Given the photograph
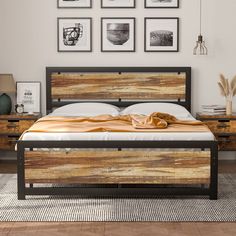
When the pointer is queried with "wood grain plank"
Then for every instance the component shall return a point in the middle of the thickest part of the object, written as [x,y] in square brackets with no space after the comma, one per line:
[118,228]
[15,127]
[219,127]
[146,86]
[203,116]
[8,143]
[24,116]
[224,130]
[119,167]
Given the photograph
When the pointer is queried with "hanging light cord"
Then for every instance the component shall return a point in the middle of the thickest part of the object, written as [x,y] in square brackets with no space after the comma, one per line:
[200,48]
[200,17]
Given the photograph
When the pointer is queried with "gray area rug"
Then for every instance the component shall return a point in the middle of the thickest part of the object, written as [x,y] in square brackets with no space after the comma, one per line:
[37,208]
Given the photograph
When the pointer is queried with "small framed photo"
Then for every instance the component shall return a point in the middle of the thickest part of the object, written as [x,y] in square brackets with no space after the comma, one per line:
[74,3]
[118,3]
[118,34]
[161,3]
[161,34]
[28,94]
[74,34]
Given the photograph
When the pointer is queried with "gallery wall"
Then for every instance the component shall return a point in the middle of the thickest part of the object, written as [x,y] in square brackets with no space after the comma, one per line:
[28,42]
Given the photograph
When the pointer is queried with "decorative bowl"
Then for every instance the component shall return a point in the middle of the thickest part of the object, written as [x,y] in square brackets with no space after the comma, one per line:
[118,33]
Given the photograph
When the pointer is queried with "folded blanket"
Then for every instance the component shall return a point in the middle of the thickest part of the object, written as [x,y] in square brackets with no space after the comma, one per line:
[158,120]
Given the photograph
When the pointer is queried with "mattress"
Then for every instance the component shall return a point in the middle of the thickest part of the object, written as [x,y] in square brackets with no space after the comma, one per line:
[127,136]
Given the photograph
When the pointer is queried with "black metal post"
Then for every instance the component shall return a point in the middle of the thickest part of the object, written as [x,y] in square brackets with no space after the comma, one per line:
[20,171]
[214,172]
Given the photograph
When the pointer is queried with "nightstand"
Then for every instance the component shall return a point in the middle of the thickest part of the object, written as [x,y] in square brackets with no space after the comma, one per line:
[12,126]
[224,129]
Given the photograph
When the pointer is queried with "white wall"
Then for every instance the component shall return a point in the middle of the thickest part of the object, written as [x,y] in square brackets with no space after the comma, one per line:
[28,42]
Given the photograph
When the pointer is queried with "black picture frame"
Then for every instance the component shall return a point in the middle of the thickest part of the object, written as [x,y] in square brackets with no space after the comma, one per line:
[176,6]
[161,48]
[119,7]
[89,45]
[118,48]
[28,85]
[69,7]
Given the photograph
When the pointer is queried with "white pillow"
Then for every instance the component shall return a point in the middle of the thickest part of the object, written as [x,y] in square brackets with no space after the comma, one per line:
[148,108]
[86,109]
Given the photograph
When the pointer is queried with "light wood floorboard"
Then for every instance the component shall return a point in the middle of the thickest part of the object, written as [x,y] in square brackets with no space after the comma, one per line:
[117,229]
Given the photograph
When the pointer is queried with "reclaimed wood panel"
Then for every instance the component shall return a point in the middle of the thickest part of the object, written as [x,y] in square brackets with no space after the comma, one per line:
[203,116]
[15,127]
[145,86]
[223,127]
[24,116]
[226,143]
[118,167]
[219,127]
[7,143]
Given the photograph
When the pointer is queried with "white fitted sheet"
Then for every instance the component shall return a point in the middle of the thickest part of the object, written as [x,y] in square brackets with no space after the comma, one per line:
[124,136]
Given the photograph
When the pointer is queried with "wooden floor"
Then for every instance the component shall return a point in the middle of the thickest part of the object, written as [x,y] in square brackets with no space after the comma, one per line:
[118,229]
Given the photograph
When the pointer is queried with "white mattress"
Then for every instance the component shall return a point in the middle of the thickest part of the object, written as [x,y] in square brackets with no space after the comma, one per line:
[152,136]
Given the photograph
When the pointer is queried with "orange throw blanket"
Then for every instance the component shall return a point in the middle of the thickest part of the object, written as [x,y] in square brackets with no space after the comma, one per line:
[156,122]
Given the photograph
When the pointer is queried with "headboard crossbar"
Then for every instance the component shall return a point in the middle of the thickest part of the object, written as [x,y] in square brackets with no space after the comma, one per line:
[118,86]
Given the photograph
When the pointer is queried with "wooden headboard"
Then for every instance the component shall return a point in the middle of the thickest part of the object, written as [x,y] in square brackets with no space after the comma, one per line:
[121,86]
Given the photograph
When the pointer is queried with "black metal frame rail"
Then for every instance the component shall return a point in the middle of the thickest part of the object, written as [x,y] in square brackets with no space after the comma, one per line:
[120,190]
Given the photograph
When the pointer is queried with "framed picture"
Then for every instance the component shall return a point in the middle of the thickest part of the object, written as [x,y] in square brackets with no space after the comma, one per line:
[161,34]
[118,3]
[74,34]
[28,94]
[74,3]
[161,3]
[118,34]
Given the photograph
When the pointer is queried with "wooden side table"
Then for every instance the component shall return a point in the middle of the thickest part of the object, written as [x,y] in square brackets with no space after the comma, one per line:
[224,129]
[12,126]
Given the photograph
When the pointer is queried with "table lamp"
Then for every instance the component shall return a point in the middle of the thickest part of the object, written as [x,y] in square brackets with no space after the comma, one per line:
[7,85]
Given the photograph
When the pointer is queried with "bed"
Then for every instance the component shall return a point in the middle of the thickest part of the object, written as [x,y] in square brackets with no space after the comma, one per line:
[118,164]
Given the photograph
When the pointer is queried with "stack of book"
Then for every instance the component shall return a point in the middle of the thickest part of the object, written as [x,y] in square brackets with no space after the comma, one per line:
[213,109]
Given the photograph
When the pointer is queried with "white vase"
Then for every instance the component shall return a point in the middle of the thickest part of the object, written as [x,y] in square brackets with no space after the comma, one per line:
[228,107]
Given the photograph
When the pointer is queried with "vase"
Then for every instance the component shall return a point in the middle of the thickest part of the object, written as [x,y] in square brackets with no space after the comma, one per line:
[228,107]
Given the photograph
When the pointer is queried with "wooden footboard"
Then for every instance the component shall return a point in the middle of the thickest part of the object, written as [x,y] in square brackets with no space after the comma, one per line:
[120,163]
[118,167]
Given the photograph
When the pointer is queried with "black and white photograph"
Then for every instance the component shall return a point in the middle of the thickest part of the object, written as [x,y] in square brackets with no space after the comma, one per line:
[74,34]
[161,34]
[74,3]
[161,3]
[118,34]
[28,94]
[118,3]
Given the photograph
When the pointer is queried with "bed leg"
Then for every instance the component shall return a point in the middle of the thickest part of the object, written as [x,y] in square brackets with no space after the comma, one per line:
[213,196]
[20,171]
[214,173]
[21,196]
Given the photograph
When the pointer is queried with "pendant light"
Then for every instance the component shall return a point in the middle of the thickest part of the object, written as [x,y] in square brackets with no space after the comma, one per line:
[200,48]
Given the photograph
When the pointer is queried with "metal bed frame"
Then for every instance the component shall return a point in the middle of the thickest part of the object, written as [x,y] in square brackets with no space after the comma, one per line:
[118,190]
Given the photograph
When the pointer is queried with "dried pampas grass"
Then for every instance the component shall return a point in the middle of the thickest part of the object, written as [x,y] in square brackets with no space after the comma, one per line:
[227,88]
[233,85]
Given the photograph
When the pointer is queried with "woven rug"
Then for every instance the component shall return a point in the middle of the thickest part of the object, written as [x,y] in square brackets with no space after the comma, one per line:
[49,208]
